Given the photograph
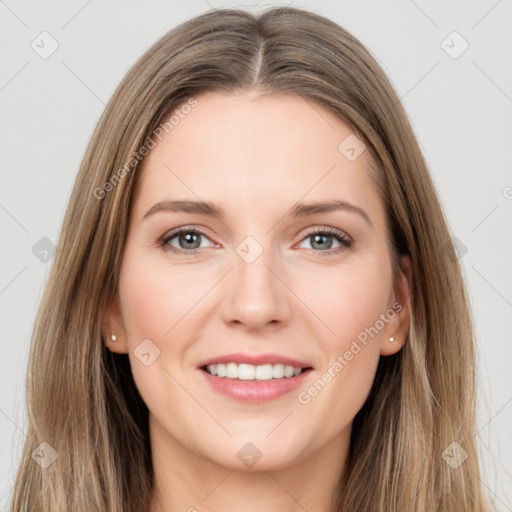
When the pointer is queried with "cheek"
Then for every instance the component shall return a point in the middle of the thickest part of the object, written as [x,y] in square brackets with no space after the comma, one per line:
[348,300]
[350,308]
[156,298]
[155,303]
[152,304]
[352,301]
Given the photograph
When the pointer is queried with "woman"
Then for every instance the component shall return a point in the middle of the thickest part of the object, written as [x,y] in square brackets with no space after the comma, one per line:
[249,371]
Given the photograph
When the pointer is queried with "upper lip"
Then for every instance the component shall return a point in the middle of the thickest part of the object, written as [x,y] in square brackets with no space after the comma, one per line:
[255,359]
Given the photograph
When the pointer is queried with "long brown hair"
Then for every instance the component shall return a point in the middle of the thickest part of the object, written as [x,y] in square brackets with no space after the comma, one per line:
[82,400]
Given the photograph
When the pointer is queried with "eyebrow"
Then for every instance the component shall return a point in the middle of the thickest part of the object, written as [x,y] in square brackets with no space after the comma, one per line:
[298,210]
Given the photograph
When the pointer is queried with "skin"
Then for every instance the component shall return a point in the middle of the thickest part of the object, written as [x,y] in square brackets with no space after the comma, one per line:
[255,157]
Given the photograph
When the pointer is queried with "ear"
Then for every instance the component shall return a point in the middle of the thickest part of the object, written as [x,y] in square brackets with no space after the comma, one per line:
[397,327]
[113,324]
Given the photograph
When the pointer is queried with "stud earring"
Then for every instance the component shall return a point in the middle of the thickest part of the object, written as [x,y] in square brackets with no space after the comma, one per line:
[391,339]
[113,337]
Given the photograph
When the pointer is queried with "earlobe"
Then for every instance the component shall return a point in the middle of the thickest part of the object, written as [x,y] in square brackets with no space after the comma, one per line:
[114,333]
[397,329]
[391,345]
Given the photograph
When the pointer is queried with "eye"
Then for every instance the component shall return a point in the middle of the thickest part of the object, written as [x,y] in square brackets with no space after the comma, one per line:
[188,239]
[322,239]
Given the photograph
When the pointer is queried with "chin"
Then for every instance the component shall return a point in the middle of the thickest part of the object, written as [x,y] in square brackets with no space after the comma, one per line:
[253,456]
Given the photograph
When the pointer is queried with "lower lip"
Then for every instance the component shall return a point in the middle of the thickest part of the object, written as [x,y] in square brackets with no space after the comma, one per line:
[253,390]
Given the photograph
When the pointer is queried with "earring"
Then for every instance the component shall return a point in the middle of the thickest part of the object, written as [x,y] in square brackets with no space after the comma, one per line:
[391,339]
[113,337]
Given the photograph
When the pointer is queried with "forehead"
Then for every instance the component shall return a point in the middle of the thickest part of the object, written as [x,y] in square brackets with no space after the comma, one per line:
[246,150]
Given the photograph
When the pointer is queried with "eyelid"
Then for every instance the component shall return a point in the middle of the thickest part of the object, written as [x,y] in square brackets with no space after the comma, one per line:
[329,230]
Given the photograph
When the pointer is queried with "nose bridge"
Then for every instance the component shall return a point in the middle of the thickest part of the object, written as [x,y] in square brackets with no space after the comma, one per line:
[256,295]
[252,263]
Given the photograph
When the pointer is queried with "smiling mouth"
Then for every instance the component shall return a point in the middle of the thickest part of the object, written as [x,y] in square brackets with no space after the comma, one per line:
[249,372]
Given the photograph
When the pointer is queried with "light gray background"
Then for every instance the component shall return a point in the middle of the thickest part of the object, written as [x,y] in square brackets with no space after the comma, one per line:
[461,110]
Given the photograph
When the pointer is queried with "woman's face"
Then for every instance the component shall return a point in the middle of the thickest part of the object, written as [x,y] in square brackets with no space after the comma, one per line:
[269,281]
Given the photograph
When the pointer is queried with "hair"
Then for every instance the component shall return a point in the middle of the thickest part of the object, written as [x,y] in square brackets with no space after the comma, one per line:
[81,397]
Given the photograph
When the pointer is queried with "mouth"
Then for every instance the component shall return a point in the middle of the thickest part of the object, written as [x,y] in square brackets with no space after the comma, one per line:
[254,378]
[250,372]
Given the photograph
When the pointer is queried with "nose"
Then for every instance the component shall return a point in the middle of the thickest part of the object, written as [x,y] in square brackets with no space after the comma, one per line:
[256,295]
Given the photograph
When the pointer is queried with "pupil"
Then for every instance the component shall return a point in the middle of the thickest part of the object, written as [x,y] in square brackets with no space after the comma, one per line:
[189,238]
[317,237]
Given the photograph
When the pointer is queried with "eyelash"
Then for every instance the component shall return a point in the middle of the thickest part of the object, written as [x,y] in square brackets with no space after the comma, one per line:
[346,243]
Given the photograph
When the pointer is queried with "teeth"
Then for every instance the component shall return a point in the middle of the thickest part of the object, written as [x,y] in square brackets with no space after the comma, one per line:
[250,372]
